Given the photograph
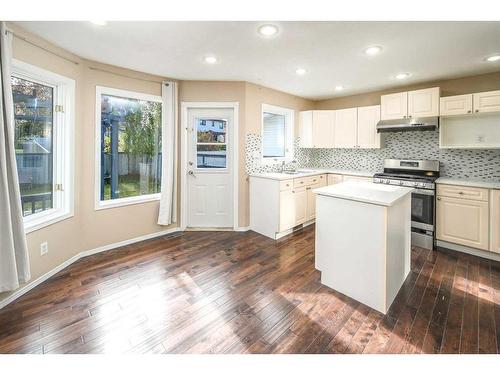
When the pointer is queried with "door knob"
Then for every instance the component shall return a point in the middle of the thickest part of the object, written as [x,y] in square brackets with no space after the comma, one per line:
[191,173]
[190,162]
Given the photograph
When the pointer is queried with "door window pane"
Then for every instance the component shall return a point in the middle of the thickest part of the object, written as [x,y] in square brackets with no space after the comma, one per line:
[211,143]
[211,156]
[130,147]
[273,137]
[211,131]
[33,134]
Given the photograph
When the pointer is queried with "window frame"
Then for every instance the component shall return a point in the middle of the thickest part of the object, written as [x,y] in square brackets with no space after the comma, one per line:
[128,94]
[289,131]
[63,144]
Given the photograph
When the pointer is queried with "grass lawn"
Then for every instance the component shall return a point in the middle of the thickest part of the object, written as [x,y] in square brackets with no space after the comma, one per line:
[129,186]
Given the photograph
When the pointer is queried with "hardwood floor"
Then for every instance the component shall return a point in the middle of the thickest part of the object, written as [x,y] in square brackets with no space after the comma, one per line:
[226,292]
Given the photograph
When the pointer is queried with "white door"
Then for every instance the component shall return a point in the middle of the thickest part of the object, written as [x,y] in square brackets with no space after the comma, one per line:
[210,168]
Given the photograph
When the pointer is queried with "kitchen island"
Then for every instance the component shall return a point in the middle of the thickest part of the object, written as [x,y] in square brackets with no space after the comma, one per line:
[363,240]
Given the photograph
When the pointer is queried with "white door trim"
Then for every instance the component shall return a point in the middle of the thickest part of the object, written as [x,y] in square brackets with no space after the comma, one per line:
[185,106]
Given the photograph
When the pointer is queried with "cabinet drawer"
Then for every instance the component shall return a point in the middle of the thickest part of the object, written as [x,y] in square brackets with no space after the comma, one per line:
[286,185]
[313,180]
[299,182]
[465,192]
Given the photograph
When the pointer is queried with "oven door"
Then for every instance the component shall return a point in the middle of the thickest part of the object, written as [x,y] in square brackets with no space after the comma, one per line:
[422,209]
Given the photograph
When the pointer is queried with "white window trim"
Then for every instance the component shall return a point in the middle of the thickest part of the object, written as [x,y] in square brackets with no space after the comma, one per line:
[63,129]
[289,129]
[119,202]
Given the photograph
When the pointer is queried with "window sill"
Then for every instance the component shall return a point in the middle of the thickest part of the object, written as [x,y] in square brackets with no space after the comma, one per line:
[120,202]
[44,220]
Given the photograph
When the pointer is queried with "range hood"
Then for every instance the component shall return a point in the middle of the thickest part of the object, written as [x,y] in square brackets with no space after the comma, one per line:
[408,124]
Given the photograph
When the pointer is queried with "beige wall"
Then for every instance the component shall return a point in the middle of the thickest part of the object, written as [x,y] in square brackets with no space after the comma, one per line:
[458,86]
[87,229]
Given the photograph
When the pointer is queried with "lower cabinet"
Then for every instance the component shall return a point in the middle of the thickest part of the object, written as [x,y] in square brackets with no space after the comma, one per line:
[300,197]
[334,179]
[495,221]
[463,221]
[357,178]
[287,210]
[311,202]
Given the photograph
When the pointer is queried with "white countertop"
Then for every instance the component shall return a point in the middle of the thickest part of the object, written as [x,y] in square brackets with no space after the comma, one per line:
[367,192]
[306,172]
[469,182]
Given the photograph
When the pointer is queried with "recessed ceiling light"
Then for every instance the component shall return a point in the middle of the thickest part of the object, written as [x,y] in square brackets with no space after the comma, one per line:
[268,30]
[493,58]
[99,23]
[300,71]
[210,59]
[339,88]
[372,51]
[402,75]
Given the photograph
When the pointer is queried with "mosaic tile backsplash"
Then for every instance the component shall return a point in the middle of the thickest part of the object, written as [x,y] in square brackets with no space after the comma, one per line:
[478,164]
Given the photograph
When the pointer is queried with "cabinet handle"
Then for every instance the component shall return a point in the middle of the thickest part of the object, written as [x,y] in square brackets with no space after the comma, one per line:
[460,192]
[438,198]
[469,111]
[404,116]
[409,116]
[477,110]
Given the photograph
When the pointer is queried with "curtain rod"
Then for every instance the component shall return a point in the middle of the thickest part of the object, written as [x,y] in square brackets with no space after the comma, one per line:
[124,75]
[42,48]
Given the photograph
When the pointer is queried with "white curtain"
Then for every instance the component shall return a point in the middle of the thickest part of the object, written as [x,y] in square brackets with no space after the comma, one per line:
[168,201]
[14,261]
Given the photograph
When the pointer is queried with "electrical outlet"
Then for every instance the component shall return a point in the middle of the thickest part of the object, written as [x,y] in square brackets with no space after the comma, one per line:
[44,248]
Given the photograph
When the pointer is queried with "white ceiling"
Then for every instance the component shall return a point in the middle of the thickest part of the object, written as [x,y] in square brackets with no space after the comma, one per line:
[332,52]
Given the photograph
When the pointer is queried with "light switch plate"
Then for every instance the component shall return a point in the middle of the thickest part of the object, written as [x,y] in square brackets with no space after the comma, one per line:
[44,248]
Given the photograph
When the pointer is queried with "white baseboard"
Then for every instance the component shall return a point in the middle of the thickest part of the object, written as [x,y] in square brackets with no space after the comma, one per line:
[26,288]
[242,229]
[469,250]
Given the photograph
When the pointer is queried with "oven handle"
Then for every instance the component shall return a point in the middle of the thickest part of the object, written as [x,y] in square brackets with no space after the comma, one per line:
[423,192]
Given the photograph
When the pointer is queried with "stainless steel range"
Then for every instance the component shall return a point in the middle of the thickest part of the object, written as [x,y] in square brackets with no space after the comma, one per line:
[419,174]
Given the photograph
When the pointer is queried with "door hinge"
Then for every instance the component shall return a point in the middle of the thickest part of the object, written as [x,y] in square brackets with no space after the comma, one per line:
[59,108]
[59,187]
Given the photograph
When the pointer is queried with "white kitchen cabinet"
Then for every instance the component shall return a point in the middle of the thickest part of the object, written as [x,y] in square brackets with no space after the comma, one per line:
[455,105]
[300,205]
[368,118]
[311,202]
[323,129]
[346,128]
[306,129]
[317,129]
[423,103]
[394,106]
[462,221]
[287,210]
[488,101]
[495,221]
[335,179]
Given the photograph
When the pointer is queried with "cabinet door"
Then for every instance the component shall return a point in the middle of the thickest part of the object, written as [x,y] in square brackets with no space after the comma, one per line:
[334,179]
[346,127]
[423,103]
[495,221]
[287,210]
[323,129]
[394,106]
[455,105]
[306,129]
[311,202]
[300,205]
[488,101]
[368,117]
[462,221]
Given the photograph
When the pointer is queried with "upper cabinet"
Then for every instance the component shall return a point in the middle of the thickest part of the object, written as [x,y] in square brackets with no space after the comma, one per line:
[417,103]
[488,101]
[455,105]
[317,129]
[394,106]
[343,128]
[368,117]
[423,103]
[346,128]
